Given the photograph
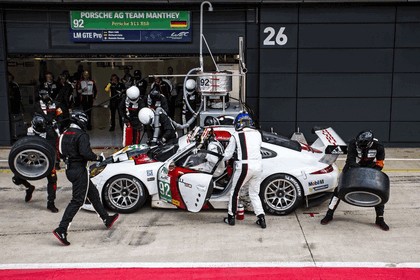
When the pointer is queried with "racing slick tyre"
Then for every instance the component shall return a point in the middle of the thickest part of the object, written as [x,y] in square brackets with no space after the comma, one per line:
[32,158]
[280,194]
[364,187]
[124,194]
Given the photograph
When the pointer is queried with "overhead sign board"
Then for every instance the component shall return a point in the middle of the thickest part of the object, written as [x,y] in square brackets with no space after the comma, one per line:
[130,26]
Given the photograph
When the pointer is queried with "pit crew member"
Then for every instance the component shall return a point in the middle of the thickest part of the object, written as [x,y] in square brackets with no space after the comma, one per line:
[129,108]
[75,147]
[39,127]
[363,151]
[246,141]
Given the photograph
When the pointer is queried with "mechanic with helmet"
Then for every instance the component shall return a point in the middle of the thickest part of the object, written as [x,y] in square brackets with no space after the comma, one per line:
[116,90]
[220,120]
[246,141]
[129,108]
[86,90]
[162,127]
[39,127]
[192,98]
[75,148]
[140,83]
[156,99]
[363,151]
[53,115]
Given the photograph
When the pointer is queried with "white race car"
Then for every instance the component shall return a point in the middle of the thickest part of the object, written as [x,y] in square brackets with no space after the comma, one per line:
[188,177]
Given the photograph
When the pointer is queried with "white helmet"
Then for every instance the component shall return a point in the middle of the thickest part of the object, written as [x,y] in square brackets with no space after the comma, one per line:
[133,93]
[190,84]
[146,116]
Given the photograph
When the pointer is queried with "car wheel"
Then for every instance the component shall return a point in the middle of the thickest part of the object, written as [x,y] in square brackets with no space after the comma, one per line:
[32,158]
[364,187]
[280,194]
[124,194]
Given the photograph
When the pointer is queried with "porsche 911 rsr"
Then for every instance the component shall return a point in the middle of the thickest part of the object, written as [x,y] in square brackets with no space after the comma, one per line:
[183,176]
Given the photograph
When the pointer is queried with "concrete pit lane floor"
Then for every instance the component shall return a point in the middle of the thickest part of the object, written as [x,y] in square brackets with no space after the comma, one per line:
[176,236]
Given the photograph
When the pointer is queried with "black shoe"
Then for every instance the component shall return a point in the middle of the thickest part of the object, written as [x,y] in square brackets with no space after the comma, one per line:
[230,220]
[29,192]
[111,128]
[381,223]
[51,207]
[111,220]
[61,236]
[261,221]
[328,217]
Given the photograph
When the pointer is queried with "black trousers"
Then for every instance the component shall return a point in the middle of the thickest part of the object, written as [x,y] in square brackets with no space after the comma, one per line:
[137,129]
[335,201]
[82,188]
[113,107]
[51,185]
[87,104]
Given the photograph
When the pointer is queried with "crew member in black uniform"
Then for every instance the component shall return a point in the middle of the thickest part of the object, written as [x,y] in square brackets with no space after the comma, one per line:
[140,83]
[156,99]
[49,86]
[75,148]
[86,89]
[127,79]
[39,127]
[192,98]
[167,133]
[363,151]
[129,108]
[53,115]
[162,86]
[116,90]
[65,100]
[15,98]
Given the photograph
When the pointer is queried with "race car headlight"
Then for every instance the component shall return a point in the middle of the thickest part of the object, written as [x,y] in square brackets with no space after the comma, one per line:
[96,170]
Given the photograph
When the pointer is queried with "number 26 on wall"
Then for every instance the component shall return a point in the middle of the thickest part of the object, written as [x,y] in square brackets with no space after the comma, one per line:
[272,39]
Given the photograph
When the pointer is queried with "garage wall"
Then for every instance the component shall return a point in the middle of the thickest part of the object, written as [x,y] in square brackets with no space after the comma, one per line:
[4,100]
[405,111]
[350,66]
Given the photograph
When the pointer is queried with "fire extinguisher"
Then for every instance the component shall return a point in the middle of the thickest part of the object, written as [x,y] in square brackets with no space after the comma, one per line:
[128,135]
[240,213]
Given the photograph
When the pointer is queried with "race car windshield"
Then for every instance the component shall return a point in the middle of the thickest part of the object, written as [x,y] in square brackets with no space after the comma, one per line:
[280,141]
[162,153]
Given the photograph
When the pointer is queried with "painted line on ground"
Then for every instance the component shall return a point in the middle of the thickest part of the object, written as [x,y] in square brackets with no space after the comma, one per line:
[244,273]
[211,265]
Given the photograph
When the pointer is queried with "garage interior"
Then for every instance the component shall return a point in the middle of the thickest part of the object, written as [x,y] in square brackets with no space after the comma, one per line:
[29,69]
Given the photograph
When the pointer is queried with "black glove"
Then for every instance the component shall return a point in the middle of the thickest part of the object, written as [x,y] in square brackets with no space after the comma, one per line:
[377,167]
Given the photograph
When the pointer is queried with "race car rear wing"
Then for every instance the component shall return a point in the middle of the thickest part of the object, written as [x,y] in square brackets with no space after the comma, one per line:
[330,143]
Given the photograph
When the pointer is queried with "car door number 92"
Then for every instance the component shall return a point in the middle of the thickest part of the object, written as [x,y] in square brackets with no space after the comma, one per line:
[275,38]
[165,191]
